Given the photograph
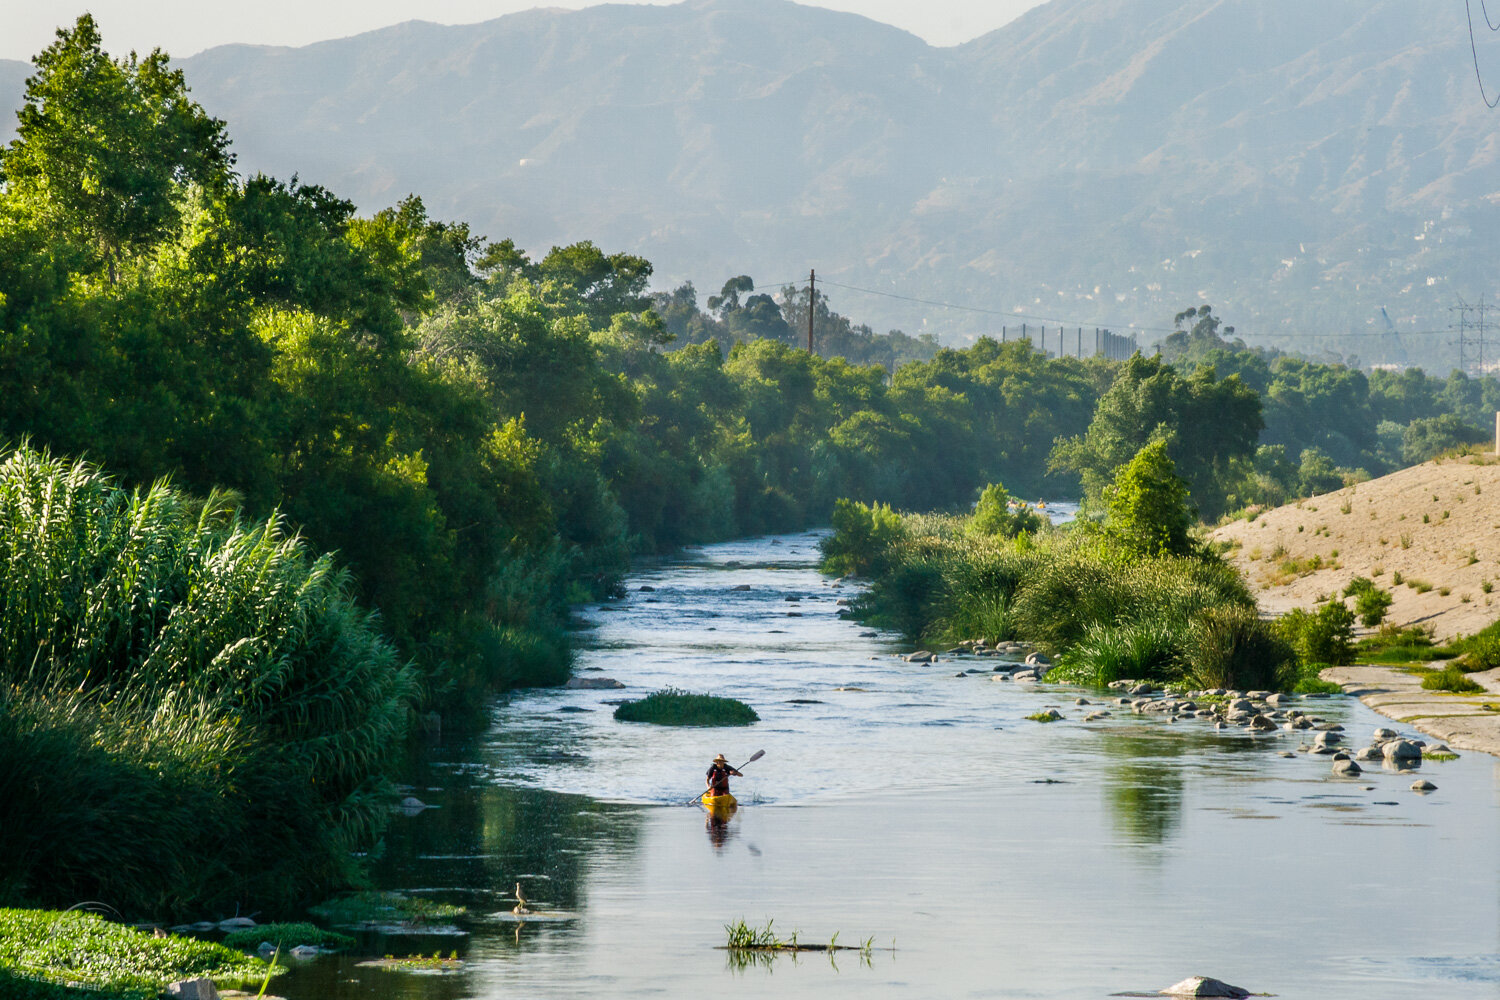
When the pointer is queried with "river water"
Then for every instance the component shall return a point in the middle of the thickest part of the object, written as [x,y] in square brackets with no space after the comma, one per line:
[901,803]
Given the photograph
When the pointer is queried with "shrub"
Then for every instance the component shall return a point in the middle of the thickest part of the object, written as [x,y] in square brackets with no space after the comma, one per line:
[993,515]
[670,707]
[1325,636]
[861,537]
[1231,647]
[1370,602]
[1148,504]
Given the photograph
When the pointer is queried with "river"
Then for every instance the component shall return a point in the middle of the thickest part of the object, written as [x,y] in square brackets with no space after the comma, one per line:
[999,856]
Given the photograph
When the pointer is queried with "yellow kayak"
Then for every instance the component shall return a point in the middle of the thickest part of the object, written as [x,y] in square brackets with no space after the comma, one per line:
[718,805]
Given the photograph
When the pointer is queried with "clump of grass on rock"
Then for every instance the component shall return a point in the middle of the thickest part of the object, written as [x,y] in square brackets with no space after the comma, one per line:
[671,707]
[1452,679]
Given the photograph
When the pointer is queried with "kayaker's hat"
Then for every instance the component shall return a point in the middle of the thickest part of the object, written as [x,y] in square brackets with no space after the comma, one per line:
[720,759]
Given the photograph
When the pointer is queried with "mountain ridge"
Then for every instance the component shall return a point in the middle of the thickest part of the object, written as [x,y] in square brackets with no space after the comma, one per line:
[1101,161]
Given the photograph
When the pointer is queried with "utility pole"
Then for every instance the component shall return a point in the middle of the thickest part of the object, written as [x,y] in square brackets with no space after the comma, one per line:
[812,305]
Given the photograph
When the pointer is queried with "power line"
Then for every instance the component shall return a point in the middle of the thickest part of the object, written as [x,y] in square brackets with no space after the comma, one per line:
[1120,326]
[1485,10]
[1474,48]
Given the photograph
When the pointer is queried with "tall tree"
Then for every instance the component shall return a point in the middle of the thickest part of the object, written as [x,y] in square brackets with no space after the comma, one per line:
[104,147]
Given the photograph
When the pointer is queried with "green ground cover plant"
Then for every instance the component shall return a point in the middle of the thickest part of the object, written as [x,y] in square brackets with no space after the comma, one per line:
[287,937]
[671,707]
[42,951]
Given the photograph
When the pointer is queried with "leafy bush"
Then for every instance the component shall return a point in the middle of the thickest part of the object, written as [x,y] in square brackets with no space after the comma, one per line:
[1148,503]
[1370,602]
[671,707]
[83,949]
[861,537]
[993,515]
[1450,678]
[1481,651]
[1325,636]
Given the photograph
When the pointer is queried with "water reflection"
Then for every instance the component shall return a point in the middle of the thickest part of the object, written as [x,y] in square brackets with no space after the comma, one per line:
[1143,784]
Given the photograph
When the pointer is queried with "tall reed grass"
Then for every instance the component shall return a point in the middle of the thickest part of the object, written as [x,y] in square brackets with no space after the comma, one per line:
[193,711]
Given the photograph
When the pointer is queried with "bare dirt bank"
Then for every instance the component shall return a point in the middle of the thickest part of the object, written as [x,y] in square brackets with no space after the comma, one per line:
[1429,534]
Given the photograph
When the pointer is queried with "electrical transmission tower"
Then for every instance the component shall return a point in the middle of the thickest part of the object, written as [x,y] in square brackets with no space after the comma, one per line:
[1463,309]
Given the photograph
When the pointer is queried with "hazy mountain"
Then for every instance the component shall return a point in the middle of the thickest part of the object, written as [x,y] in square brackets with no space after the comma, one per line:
[1298,165]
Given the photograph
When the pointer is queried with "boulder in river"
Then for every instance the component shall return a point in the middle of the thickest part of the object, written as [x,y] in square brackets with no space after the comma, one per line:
[593,683]
[1203,986]
[1401,750]
[1423,785]
[1386,734]
[920,656]
[1346,768]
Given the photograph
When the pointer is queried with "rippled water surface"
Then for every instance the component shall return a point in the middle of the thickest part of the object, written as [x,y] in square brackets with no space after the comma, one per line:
[1001,857]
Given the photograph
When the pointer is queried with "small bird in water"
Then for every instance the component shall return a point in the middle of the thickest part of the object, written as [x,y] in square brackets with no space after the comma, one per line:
[520,901]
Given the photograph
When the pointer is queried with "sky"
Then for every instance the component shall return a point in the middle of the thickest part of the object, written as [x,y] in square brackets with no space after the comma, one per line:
[186,27]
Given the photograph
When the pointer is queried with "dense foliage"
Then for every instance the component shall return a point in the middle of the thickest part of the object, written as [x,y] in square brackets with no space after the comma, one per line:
[1111,601]
[50,955]
[192,710]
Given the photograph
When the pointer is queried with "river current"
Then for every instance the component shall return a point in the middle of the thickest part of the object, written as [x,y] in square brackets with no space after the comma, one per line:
[921,811]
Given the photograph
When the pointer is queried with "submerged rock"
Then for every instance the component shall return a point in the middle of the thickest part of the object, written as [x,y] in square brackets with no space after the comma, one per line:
[1203,986]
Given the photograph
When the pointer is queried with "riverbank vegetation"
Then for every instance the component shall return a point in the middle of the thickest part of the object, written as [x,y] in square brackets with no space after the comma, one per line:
[1132,595]
[51,955]
[193,710]
[670,707]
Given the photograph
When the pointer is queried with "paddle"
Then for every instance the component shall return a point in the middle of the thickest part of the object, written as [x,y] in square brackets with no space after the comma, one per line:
[758,755]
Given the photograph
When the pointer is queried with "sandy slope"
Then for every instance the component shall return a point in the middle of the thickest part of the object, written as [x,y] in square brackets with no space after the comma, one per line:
[1376,529]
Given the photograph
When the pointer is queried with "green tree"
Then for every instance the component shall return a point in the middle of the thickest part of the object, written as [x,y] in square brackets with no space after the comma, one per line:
[1208,424]
[104,147]
[1148,506]
[993,515]
[1425,439]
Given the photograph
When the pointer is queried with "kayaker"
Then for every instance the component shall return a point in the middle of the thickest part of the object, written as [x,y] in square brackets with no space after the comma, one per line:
[718,776]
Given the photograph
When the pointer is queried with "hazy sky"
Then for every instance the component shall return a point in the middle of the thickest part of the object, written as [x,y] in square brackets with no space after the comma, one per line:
[184,27]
